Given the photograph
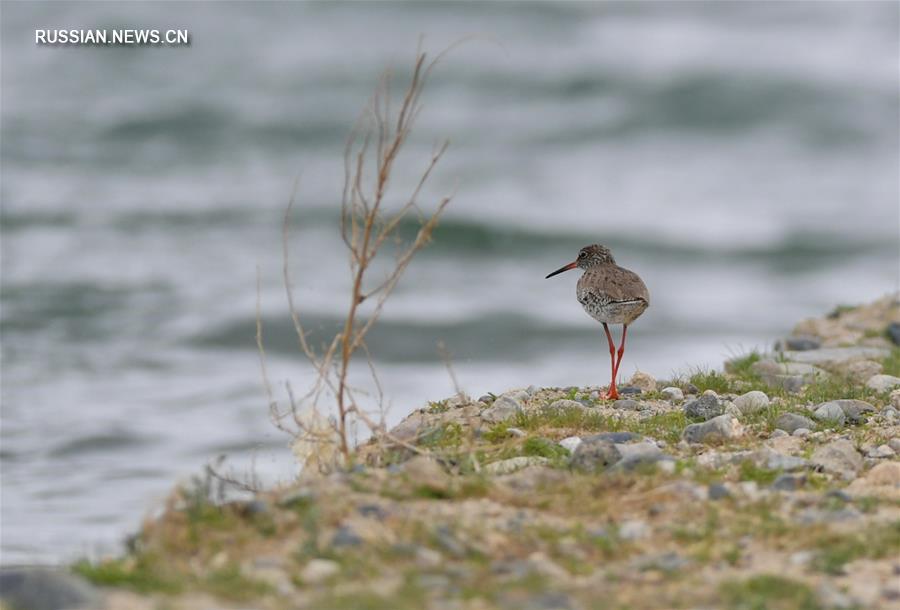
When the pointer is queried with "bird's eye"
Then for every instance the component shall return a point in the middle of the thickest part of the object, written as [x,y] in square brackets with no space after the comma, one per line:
[581,255]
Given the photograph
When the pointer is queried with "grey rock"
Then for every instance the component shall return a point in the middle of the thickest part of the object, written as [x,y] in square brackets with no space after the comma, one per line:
[883,383]
[664,562]
[894,444]
[802,432]
[616,437]
[791,421]
[372,511]
[838,457]
[778,433]
[644,450]
[503,409]
[45,589]
[716,429]
[634,529]
[789,482]
[691,389]
[445,538]
[565,405]
[626,404]
[629,389]
[881,451]
[717,491]
[672,394]
[318,570]
[423,472]
[752,402]
[486,399]
[802,343]
[830,413]
[893,331]
[594,454]
[704,408]
[516,432]
[831,356]
[410,428]
[767,457]
[345,536]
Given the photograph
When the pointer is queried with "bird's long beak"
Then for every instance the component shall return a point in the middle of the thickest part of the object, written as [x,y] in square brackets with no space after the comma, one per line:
[561,269]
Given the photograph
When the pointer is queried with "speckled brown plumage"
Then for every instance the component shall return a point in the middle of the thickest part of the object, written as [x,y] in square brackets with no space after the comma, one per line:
[611,295]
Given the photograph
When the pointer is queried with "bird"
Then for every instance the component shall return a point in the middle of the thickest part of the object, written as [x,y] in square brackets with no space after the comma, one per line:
[611,295]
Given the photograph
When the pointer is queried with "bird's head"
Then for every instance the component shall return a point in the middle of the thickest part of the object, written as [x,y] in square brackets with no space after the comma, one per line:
[589,256]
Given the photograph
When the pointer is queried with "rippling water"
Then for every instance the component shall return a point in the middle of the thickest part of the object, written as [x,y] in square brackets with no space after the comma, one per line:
[743,158]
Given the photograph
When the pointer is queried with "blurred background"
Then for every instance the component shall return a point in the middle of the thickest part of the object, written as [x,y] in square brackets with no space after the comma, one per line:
[742,157]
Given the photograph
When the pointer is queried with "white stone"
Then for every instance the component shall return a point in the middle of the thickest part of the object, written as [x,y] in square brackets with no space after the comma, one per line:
[802,432]
[318,570]
[883,383]
[570,443]
[881,451]
[752,402]
[672,394]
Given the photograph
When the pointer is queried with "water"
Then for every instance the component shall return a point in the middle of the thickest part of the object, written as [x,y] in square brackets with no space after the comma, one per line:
[741,157]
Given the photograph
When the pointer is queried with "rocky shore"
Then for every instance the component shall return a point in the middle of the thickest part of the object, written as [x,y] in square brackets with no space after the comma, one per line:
[772,484]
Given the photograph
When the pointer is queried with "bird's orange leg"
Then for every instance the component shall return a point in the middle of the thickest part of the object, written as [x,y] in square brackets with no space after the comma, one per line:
[611,394]
[621,351]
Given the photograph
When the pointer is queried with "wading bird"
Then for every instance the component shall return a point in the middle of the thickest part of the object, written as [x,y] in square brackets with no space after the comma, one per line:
[610,295]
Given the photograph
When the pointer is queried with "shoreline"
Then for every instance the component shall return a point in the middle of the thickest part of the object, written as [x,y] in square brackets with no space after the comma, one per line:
[776,481]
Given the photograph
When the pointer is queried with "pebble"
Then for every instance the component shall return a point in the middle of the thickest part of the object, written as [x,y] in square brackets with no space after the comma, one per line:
[616,437]
[838,457]
[45,589]
[894,444]
[514,464]
[345,536]
[895,399]
[518,433]
[691,389]
[789,422]
[672,394]
[830,413]
[789,482]
[773,460]
[486,399]
[594,454]
[861,370]
[425,473]
[752,402]
[883,383]
[626,404]
[778,433]
[566,405]
[716,429]
[633,454]
[634,530]
[318,570]
[881,451]
[571,443]
[802,343]
[802,432]
[629,389]
[644,381]
[704,408]
[504,408]
[717,491]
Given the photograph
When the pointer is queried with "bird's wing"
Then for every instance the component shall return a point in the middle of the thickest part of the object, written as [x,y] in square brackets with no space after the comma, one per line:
[612,284]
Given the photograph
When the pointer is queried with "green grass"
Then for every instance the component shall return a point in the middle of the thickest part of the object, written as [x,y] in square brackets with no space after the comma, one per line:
[836,550]
[892,363]
[767,592]
[142,574]
[711,380]
[749,471]
[541,447]
[228,582]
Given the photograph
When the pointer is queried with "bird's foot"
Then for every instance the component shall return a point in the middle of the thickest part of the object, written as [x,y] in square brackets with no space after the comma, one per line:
[612,394]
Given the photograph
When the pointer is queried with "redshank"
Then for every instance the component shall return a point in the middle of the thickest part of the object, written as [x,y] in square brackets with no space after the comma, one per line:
[610,295]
